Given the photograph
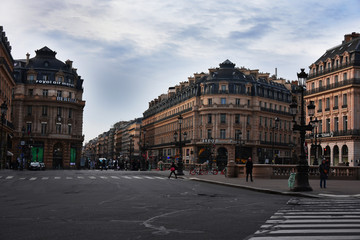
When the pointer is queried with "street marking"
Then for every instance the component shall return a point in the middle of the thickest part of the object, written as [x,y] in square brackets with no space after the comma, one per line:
[127,177]
[137,177]
[148,177]
[44,178]
[33,178]
[9,177]
[162,178]
[115,177]
[103,177]
[69,178]
[80,177]
[92,177]
[22,178]
[57,178]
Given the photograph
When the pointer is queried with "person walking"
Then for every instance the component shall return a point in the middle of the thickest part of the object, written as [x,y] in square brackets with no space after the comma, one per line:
[324,171]
[249,167]
[172,170]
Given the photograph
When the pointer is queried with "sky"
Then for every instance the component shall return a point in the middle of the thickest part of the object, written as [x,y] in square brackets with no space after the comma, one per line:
[131,51]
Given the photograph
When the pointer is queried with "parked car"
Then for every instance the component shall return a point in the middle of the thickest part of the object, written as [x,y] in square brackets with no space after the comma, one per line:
[37,166]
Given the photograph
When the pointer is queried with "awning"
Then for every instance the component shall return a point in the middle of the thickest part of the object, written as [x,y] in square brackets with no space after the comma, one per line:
[10,154]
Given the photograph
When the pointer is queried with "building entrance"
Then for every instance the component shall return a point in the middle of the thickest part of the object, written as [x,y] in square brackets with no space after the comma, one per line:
[222,158]
[58,156]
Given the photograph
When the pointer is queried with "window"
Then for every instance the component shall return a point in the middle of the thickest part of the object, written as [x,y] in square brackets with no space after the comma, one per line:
[43,128]
[345,123]
[222,133]
[320,83]
[58,128]
[248,120]
[336,124]
[31,77]
[237,118]
[336,79]
[59,79]
[345,76]
[313,85]
[209,118]
[327,104]
[223,88]
[59,93]
[59,111]
[237,134]
[222,118]
[336,102]
[45,92]
[344,105]
[44,110]
[328,125]
[265,137]
[209,133]
[209,101]
[320,105]
[328,81]
[69,129]
[320,126]
[70,94]
[70,112]
[31,92]
[45,77]
[28,127]
[223,100]
[237,101]
[29,110]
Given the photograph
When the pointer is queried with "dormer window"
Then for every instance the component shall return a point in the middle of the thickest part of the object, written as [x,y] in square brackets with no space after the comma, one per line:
[46,64]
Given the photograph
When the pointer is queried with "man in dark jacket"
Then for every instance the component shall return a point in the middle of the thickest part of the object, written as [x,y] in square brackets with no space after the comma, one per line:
[324,171]
[249,168]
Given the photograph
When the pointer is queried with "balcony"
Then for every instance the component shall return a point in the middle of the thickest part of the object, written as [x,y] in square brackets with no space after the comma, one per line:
[333,86]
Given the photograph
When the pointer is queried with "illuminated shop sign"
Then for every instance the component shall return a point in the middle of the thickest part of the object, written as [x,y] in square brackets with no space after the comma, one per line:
[54,83]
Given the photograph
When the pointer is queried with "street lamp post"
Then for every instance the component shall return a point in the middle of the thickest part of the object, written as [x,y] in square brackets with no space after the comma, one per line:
[238,144]
[4,109]
[302,175]
[143,153]
[273,142]
[311,112]
[180,144]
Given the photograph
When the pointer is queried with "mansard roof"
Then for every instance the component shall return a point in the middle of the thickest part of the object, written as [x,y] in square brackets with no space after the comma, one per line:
[347,46]
[46,59]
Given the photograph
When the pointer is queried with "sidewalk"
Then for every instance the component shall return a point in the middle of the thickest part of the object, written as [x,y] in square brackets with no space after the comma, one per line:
[335,188]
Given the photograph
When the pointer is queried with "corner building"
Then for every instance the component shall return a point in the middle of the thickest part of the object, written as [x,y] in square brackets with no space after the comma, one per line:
[48,110]
[334,87]
[7,84]
[228,114]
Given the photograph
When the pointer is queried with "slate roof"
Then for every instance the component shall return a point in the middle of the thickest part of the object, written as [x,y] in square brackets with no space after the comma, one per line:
[351,46]
[45,58]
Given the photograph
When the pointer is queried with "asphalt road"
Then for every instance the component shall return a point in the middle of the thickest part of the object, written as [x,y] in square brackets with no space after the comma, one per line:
[91,204]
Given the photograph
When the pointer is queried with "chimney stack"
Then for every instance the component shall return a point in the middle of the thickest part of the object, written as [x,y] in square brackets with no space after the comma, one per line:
[27,58]
[349,37]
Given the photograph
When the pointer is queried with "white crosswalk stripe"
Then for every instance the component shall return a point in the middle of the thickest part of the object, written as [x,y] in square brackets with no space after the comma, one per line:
[119,177]
[314,219]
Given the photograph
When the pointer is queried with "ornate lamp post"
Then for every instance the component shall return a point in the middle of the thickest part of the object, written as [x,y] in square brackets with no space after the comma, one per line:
[180,144]
[311,112]
[273,142]
[302,175]
[238,144]
[4,109]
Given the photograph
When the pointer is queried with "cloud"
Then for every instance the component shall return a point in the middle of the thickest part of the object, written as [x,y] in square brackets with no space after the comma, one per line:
[130,51]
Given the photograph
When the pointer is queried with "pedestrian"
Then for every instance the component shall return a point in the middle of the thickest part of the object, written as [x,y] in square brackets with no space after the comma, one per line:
[324,171]
[172,170]
[249,167]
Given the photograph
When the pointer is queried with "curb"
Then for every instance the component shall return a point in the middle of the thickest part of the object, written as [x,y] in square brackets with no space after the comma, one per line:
[264,190]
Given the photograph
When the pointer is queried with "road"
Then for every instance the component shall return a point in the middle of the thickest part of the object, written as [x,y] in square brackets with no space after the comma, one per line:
[92,204]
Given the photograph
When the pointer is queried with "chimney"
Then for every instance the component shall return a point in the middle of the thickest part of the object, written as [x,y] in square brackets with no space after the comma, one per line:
[349,37]
[27,58]
[69,63]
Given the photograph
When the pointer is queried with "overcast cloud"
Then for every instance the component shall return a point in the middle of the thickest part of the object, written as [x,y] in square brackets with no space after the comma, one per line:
[130,51]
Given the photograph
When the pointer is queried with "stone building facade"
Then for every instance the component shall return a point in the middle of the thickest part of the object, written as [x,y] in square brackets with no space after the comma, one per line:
[334,87]
[48,105]
[227,114]
[7,84]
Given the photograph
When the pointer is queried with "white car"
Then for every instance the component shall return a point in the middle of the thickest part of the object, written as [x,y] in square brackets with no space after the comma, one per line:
[37,166]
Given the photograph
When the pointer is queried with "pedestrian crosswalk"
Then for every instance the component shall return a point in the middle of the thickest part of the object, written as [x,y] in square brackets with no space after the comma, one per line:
[319,219]
[33,178]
